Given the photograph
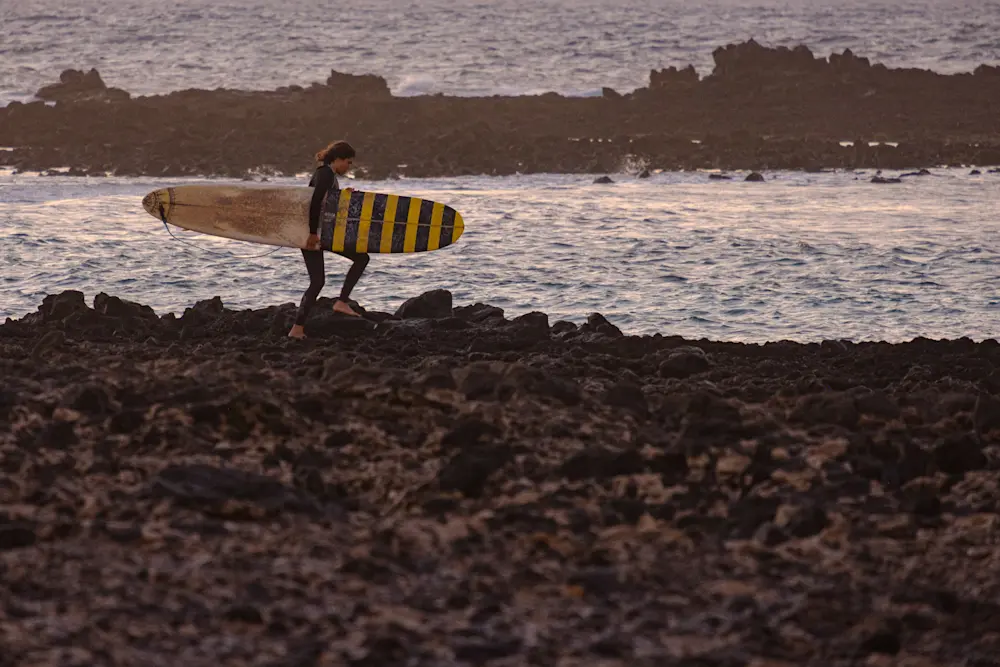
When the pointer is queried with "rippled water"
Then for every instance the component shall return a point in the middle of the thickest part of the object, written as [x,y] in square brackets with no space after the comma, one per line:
[803,256]
[465,47]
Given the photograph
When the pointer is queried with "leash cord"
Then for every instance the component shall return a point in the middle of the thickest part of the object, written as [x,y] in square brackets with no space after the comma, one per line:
[166,226]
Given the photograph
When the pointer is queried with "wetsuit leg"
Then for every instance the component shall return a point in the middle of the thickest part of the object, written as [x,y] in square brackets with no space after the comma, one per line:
[354,273]
[317,278]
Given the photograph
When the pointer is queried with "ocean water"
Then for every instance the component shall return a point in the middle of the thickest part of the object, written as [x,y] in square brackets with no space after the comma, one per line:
[801,256]
[461,47]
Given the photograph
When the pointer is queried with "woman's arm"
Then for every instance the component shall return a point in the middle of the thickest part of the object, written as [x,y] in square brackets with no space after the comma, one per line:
[324,181]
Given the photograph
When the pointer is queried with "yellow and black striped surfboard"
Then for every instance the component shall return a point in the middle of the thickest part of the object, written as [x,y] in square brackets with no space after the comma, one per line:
[376,222]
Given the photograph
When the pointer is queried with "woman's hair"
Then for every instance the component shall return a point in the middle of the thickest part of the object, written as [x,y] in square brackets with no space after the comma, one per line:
[338,149]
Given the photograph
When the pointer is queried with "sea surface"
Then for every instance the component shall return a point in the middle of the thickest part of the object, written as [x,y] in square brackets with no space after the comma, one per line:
[461,47]
[802,256]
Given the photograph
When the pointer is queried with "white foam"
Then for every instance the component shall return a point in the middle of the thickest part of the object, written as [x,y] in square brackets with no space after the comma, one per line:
[414,85]
[871,144]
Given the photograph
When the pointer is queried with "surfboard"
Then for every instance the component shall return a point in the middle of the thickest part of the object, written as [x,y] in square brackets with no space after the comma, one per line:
[356,221]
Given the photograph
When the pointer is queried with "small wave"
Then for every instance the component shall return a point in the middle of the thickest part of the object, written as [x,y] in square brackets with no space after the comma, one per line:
[38,18]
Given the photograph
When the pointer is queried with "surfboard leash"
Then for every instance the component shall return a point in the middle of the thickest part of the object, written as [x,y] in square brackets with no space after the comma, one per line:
[166,225]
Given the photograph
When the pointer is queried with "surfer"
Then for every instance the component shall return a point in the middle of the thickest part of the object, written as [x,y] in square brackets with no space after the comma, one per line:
[336,159]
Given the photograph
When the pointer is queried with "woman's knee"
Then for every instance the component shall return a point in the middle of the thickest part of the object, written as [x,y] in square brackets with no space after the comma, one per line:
[362,259]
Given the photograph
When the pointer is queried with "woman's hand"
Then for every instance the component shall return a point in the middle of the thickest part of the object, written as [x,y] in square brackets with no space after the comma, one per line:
[312,243]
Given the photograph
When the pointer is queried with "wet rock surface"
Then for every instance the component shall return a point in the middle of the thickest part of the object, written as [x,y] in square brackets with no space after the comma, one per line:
[465,488]
[759,109]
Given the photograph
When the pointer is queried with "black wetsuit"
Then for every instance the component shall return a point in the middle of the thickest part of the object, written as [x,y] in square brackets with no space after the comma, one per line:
[323,181]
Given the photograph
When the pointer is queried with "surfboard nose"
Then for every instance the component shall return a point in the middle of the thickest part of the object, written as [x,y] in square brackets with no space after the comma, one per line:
[156,199]
[150,202]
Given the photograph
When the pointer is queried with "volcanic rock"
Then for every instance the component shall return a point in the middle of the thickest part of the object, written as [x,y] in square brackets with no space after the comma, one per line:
[455,487]
[795,109]
[77,86]
[434,304]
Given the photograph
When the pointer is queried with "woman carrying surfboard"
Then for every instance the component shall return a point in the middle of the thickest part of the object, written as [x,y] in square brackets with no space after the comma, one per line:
[336,159]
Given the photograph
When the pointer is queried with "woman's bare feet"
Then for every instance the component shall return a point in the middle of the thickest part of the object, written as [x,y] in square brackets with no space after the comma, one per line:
[343,308]
[298,331]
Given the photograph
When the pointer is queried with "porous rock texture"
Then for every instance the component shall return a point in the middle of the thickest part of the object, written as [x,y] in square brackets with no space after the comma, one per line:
[461,488]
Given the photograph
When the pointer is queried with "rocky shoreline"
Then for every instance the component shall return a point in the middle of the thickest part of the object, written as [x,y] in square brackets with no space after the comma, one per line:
[759,109]
[446,486]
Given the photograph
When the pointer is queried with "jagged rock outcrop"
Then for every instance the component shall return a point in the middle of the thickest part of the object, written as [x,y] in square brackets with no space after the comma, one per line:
[760,109]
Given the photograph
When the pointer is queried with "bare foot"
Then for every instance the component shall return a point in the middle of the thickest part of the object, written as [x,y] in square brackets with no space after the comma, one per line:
[298,332]
[343,308]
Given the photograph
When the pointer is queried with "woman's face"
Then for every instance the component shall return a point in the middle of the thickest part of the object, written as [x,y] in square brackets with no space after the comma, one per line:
[341,165]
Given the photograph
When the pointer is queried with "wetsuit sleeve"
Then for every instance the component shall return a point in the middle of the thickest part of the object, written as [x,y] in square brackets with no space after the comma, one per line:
[324,180]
